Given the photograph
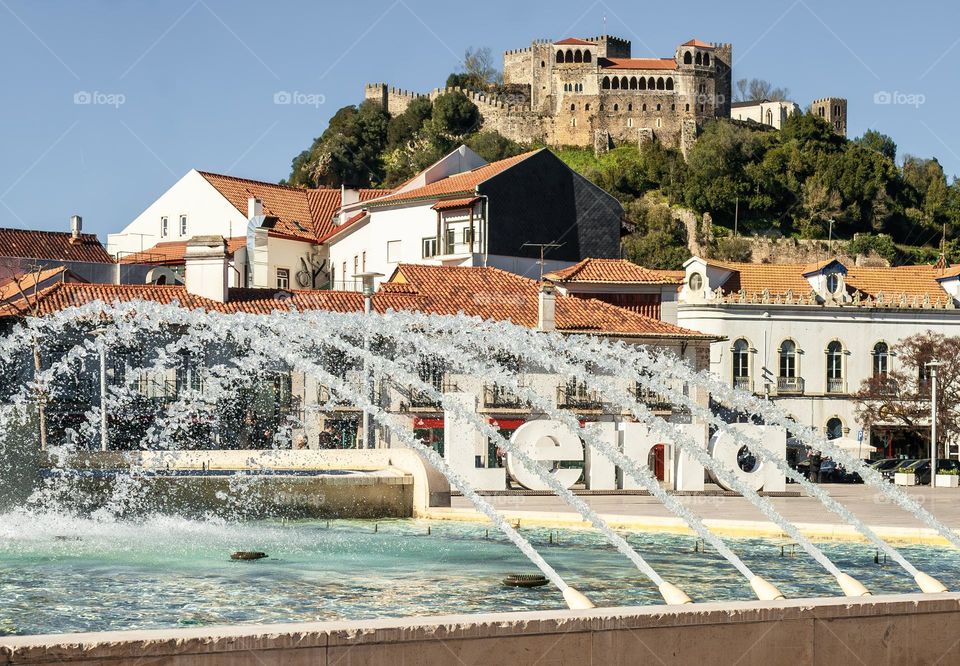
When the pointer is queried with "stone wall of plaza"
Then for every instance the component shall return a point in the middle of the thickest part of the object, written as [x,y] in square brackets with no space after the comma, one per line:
[580,104]
[904,629]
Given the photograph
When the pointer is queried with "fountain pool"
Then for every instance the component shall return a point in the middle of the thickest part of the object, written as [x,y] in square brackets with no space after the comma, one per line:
[63,574]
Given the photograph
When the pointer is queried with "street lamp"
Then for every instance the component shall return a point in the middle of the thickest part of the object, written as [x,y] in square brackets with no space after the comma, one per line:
[933,365]
[369,286]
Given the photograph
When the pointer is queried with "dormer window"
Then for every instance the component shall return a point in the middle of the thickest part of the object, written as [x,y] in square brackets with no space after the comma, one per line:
[833,282]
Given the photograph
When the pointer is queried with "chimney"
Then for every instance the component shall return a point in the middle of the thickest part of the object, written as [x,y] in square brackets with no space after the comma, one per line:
[207,268]
[547,308]
[76,226]
[254,208]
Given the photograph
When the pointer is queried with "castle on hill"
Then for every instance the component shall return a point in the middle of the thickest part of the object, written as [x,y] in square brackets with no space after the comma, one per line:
[593,92]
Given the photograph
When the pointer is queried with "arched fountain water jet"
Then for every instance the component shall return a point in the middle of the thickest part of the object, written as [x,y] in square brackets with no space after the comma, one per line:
[467,360]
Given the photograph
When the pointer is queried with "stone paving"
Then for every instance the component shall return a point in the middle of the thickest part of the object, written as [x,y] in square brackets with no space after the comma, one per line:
[866,503]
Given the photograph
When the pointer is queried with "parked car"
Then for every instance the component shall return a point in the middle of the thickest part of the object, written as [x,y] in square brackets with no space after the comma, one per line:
[889,471]
[921,468]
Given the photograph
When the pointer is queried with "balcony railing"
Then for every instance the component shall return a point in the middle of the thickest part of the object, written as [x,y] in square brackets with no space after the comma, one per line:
[835,385]
[651,399]
[499,397]
[743,384]
[421,400]
[789,385]
[574,395]
[325,395]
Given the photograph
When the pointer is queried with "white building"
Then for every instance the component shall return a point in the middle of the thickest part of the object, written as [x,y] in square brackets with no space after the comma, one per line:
[764,112]
[809,336]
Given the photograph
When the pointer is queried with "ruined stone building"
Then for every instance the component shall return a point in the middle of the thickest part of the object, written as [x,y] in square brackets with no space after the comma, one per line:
[593,92]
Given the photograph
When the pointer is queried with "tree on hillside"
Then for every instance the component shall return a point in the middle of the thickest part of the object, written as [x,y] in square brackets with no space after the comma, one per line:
[901,396]
[756,90]
[348,152]
[659,240]
[493,146]
[881,143]
[455,116]
[478,71]
[404,127]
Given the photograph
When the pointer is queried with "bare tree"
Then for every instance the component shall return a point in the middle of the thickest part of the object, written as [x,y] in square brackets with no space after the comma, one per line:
[902,396]
[480,68]
[756,90]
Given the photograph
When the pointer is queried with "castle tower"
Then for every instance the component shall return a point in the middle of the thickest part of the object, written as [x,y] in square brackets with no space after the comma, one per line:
[834,111]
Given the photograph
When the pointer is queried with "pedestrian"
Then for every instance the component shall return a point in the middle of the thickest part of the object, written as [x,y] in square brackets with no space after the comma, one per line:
[815,459]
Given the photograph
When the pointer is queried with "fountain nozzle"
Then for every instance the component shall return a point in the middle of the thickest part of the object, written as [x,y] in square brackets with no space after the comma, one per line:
[576,600]
[851,586]
[929,584]
[673,595]
[765,590]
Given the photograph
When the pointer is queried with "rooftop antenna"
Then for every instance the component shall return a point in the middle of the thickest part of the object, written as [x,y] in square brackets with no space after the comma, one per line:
[543,249]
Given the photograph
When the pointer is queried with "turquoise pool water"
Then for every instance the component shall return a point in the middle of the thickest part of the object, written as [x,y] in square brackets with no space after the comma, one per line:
[66,575]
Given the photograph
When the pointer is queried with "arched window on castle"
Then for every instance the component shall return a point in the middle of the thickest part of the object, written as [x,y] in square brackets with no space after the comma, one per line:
[559,56]
[578,56]
[605,84]
[699,58]
[543,63]
[568,57]
[687,58]
[573,107]
[652,83]
[706,59]
[629,122]
[642,83]
[624,83]
[660,84]
[633,83]
[587,57]
[687,109]
[616,107]
[658,107]
[616,83]
[670,83]
[643,108]
[586,107]
[630,107]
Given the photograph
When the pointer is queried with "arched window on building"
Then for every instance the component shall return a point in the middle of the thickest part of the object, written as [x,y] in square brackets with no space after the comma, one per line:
[788,359]
[587,57]
[658,107]
[741,365]
[616,83]
[642,83]
[835,367]
[834,428]
[706,59]
[687,58]
[652,83]
[670,83]
[543,63]
[643,108]
[559,56]
[616,107]
[568,56]
[578,56]
[630,107]
[624,83]
[699,58]
[586,107]
[660,84]
[687,109]
[770,117]
[573,107]
[605,84]
[881,360]
[633,83]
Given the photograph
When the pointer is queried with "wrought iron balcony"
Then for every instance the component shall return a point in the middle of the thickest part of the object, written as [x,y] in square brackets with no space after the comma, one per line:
[575,395]
[790,385]
[653,400]
[499,397]
[421,400]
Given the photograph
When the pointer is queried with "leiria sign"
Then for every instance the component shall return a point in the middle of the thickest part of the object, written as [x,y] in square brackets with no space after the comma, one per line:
[552,444]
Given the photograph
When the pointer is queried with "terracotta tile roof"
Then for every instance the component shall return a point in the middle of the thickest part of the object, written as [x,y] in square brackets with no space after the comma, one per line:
[302,214]
[15,287]
[289,205]
[52,245]
[618,271]
[574,41]
[490,293]
[869,280]
[454,204]
[349,222]
[173,252]
[461,183]
[698,43]
[637,63]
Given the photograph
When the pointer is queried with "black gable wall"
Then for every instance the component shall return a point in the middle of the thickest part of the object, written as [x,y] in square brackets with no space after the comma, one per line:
[541,200]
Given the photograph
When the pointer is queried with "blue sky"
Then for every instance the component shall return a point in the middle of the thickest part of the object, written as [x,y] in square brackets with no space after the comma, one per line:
[179,84]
